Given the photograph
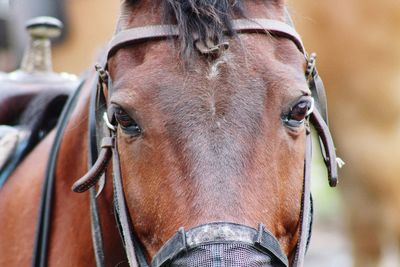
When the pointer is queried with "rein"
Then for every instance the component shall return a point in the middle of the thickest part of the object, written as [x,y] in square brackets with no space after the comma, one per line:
[99,161]
[39,258]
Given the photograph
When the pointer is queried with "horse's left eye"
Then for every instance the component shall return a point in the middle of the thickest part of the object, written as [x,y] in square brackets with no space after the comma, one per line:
[299,112]
[126,123]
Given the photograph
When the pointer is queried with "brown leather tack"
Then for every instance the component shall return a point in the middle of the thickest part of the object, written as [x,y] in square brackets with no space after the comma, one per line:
[94,174]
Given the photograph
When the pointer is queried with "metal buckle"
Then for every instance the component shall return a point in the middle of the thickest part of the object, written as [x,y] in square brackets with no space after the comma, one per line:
[108,123]
[311,108]
[311,63]
[103,74]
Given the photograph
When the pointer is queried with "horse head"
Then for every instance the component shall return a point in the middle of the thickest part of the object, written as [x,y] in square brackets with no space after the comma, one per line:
[209,131]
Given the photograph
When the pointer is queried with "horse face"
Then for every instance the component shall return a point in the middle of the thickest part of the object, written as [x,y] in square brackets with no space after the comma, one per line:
[212,140]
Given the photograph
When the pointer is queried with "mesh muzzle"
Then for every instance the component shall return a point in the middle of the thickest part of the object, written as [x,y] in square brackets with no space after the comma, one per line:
[224,255]
[221,245]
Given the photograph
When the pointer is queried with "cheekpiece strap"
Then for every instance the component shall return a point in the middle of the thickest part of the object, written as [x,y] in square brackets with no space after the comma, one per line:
[328,146]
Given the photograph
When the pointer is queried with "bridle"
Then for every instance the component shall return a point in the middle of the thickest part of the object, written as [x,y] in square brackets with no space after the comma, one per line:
[100,125]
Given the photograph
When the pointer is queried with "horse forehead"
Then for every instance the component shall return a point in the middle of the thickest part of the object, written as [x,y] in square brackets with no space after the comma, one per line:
[208,108]
[237,81]
[230,83]
[209,119]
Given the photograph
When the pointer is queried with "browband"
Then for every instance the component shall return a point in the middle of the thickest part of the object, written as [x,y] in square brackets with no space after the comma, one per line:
[140,34]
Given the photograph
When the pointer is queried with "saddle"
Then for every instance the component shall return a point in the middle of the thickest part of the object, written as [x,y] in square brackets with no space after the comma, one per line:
[26,123]
[32,97]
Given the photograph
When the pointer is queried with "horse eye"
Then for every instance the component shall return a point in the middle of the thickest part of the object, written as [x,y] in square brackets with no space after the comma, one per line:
[126,123]
[298,113]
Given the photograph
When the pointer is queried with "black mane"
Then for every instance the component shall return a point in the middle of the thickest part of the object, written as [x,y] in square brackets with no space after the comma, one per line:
[205,18]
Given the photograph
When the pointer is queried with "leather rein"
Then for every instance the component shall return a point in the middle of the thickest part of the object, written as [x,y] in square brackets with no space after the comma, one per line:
[100,126]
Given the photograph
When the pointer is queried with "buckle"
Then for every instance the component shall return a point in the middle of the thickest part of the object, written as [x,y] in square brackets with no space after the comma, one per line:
[311,63]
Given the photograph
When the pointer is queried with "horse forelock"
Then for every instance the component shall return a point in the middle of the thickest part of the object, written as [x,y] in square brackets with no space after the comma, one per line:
[202,19]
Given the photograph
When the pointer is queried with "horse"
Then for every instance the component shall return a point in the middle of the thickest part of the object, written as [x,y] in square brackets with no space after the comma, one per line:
[196,124]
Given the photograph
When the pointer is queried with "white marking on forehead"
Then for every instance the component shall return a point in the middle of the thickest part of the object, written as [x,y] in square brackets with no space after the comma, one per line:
[214,72]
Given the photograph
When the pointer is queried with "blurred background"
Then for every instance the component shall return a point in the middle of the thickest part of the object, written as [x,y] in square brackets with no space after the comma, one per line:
[358,43]
[88,25]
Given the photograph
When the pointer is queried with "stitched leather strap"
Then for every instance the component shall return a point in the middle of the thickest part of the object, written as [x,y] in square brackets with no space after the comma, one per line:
[318,93]
[328,146]
[121,209]
[98,168]
[305,215]
[274,27]
[140,34]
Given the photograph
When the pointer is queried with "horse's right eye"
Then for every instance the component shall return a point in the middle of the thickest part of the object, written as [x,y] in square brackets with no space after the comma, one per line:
[299,112]
[127,124]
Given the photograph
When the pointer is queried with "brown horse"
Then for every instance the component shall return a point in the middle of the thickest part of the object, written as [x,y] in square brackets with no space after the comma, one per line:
[207,138]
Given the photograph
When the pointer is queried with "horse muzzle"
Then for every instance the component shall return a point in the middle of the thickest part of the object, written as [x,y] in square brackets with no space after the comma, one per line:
[221,245]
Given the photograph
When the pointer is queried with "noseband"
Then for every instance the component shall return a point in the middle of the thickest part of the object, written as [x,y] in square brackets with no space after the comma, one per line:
[260,240]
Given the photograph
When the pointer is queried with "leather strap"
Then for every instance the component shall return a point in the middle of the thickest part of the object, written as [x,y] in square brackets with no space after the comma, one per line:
[274,27]
[305,214]
[133,249]
[98,168]
[329,150]
[121,209]
[96,229]
[39,258]
[140,34]
[330,161]
[318,93]
[96,173]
